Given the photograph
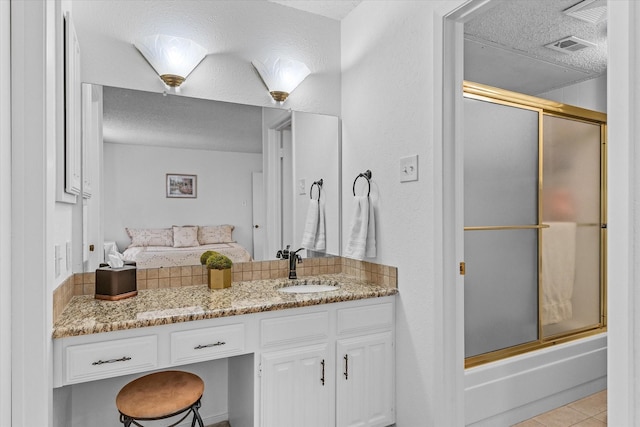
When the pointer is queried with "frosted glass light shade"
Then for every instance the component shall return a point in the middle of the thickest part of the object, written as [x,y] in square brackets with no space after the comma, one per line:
[281,76]
[173,58]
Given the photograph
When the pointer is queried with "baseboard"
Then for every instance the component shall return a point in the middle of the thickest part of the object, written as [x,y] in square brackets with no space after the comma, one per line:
[512,390]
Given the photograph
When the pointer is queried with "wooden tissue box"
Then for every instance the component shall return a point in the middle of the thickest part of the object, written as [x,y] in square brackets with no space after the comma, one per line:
[114,284]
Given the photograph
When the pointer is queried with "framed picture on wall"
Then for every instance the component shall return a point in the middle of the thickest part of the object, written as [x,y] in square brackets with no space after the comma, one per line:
[182,186]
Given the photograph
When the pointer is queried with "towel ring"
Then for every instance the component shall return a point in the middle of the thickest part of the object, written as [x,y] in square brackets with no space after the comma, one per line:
[366,175]
[319,184]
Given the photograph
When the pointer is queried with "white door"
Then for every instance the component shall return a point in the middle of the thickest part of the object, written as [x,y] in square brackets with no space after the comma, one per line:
[365,381]
[258,216]
[294,388]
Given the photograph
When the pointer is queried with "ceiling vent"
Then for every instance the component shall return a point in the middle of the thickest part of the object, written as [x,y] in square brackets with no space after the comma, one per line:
[593,11]
[569,44]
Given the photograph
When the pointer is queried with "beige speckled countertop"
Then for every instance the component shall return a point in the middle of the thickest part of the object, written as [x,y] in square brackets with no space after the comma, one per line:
[86,315]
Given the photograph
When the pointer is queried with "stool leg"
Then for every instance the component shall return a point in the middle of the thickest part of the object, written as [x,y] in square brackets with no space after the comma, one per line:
[124,419]
[196,415]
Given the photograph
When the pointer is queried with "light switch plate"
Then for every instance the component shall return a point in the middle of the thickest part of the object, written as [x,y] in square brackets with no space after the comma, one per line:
[409,168]
[56,257]
[302,186]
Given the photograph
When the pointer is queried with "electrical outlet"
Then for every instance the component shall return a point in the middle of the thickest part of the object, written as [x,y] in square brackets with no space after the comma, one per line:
[409,168]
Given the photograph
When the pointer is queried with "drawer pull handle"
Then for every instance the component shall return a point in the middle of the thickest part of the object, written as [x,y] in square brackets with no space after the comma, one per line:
[322,379]
[102,362]
[346,366]
[215,344]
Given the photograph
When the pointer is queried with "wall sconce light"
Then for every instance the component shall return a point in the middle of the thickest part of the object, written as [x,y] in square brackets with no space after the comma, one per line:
[281,76]
[173,58]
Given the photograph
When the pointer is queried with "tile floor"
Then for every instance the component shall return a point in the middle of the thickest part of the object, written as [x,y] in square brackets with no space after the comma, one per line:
[590,411]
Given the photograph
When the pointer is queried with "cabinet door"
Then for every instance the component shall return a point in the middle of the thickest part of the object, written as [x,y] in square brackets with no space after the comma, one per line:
[365,381]
[294,388]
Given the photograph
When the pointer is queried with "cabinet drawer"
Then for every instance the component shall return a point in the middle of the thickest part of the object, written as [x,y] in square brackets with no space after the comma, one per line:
[291,329]
[362,319]
[207,343]
[88,362]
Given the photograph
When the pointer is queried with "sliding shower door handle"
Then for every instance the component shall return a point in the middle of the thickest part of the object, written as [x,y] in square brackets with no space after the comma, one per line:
[506,227]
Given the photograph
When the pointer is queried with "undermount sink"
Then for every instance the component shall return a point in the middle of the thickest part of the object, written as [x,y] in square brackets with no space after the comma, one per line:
[305,286]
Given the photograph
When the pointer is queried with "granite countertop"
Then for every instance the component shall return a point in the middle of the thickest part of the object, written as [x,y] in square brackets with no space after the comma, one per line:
[85,315]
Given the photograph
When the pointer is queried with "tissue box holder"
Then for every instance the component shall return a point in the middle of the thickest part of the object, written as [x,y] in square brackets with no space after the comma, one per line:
[114,284]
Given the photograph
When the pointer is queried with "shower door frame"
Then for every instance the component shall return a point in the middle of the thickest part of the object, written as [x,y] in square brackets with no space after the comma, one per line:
[544,107]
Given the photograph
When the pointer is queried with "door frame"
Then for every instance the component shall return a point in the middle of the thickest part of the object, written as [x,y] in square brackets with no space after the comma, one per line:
[623,300]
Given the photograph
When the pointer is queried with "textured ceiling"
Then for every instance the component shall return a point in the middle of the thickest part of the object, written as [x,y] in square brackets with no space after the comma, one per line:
[334,9]
[506,45]
[147,118]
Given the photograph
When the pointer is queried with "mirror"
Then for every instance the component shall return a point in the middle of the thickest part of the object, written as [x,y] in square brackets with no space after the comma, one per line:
[169,160]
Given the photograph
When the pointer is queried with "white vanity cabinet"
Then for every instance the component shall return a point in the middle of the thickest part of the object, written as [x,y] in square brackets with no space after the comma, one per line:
[364,383]
[344,377]
[286,368]
[365,373]
[294,388]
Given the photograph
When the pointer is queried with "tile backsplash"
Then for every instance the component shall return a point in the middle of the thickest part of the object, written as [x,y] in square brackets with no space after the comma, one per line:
[171,277]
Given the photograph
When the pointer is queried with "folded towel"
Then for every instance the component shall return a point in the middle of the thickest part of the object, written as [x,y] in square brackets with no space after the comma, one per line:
[558,271]
[362,238]
[313,236]
[321,238]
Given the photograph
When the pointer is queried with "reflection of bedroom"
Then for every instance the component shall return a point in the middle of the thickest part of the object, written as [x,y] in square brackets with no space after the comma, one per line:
[148,136]
[138,200]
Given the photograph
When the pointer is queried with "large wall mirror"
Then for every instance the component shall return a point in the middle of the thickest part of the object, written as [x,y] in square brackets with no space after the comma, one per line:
[164,160]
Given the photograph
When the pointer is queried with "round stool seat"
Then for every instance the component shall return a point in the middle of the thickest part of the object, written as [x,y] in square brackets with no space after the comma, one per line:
[159,395]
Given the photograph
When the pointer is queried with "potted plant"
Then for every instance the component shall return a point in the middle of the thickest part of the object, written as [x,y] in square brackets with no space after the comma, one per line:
[218,269]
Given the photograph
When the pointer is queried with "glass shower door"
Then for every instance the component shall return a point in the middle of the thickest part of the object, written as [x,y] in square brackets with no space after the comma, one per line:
[501,192]
[571,199]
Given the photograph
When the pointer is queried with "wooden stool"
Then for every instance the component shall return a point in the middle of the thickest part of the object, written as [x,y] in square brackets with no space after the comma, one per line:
[161,395]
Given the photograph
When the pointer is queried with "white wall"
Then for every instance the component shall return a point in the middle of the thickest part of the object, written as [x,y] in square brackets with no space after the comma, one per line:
[391,101]
[33,122]
[65,214]
[316,153]
[624,222]
[590,94]
[233,32]
[135,192]
[5,214]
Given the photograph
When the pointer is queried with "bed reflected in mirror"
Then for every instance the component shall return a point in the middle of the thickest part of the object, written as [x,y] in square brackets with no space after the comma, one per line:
[181,175]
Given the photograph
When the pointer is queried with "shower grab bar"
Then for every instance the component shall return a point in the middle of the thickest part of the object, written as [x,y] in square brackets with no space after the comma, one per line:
[507,227]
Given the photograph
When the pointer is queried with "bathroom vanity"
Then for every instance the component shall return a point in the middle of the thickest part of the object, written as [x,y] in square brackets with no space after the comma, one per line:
[303,359]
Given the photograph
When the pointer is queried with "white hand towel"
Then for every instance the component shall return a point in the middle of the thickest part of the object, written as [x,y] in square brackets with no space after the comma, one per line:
[370,248]
[311,225]
[321,238]
[558,271]
[361,241]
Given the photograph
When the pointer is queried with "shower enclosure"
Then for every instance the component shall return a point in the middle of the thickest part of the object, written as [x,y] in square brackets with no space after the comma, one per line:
[535,223]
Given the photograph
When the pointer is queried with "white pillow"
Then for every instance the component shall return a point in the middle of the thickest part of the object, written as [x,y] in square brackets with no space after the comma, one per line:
[184,237]
[208,235]
[150,236]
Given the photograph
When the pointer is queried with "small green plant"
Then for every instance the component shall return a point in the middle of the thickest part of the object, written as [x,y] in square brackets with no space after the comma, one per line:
[218,261]
[205,256]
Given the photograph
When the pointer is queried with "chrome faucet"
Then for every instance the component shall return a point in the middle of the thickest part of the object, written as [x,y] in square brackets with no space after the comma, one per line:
[293,258]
